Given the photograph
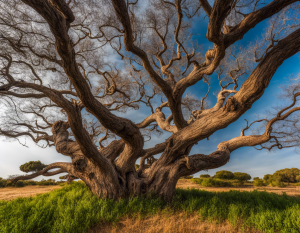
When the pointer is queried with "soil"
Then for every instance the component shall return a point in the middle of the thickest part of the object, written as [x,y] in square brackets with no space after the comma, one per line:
[10,193]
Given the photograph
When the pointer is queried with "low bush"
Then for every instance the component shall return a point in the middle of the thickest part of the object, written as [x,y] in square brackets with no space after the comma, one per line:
[259,182]
[214,182]
[277,183]
[204,176]
[2,183]
[19,183]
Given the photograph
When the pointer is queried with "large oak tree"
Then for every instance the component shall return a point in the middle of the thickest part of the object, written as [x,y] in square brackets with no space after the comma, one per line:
[68,67]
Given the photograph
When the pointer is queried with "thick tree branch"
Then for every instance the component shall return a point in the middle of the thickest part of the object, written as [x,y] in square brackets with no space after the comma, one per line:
[64,167]
[251,20]
[206,7]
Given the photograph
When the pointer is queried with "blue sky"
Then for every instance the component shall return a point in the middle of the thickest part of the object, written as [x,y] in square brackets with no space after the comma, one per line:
[247,159]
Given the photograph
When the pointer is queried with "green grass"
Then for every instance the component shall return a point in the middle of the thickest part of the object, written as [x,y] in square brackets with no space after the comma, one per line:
[74,209]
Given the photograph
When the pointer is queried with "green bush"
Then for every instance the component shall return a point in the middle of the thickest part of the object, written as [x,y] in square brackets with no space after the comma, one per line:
[19,183]
[213,182]
[258,182]
[226,175]
[2,183]
[277,183]
[204,176]
[241,176]
[30,182]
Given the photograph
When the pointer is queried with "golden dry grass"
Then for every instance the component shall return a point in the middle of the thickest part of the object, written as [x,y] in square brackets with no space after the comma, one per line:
[171,223]
[10,193]
[289,190]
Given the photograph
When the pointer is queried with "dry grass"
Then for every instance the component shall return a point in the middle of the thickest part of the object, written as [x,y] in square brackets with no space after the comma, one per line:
[10,193]
[289,190]
[162,223]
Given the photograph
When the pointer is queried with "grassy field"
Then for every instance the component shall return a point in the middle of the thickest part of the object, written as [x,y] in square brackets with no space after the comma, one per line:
[11,193]
[74,209]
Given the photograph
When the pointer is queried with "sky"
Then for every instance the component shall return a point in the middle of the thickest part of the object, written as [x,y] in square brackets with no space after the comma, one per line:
[257,163]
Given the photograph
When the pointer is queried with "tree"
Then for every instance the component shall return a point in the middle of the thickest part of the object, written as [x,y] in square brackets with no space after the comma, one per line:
[267,178]
[227,175]
[288,175]
[32,166]
[63,86]
[204,176]
[241,176]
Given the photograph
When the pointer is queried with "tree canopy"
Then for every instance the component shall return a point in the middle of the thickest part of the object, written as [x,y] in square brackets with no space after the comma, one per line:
[70,68]
[32,166]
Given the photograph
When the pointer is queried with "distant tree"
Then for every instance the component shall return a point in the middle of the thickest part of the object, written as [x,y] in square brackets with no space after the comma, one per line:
[256,178]
[224,175]
[241,176]
[288,175]
[267,178]
[204,176]
[32,166]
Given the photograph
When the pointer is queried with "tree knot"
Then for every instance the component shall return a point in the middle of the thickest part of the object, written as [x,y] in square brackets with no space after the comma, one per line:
[231,104]
[80,164]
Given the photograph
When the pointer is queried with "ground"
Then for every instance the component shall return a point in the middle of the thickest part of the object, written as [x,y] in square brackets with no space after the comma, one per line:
[175,223]
[10,193]
[162,222]
[13,193]
[289,190]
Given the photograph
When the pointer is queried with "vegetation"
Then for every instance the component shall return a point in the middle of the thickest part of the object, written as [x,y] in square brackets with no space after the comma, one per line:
[204,176]
[223,179]
[241,176]
[32,166]
[226,175]
[8,183]
[215,182]
[258,182]
[75,209]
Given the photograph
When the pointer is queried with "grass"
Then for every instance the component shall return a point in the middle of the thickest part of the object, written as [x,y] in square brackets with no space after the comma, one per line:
[74,209]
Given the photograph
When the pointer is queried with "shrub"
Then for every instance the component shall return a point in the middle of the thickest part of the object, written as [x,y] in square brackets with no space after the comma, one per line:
[20,183]
[277,183]
[2,183]
[204,176]
[30,182]
[212,182]
[241,176]
[258,182]
[187,177]
[227,175]
[235,183]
